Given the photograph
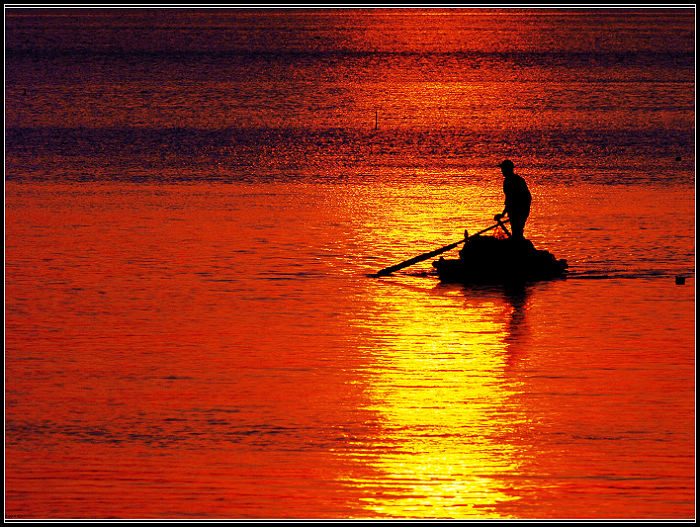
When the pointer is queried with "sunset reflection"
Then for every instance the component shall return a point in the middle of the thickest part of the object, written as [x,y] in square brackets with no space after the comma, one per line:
[439,388]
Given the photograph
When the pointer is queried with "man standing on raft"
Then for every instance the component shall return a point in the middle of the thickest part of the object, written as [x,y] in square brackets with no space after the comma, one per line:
[518,199]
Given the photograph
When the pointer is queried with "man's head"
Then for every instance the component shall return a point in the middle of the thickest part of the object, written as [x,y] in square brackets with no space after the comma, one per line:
[507,167]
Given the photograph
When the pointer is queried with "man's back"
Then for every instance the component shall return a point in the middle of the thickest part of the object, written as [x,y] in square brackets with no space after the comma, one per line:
[518,197]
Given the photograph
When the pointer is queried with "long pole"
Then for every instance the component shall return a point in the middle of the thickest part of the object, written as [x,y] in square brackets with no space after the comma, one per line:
[421,257]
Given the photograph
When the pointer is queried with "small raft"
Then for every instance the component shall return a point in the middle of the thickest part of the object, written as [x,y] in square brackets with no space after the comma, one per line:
[487,259]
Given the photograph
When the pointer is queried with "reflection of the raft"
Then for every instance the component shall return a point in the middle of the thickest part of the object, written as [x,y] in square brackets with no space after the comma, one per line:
[445,407]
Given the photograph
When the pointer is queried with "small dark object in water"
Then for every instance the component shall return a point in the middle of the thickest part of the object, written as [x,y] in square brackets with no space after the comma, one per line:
[486,259]
[678,158]
[680,280]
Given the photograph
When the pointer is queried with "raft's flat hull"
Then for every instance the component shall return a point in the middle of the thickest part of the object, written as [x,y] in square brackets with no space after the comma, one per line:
[486,259]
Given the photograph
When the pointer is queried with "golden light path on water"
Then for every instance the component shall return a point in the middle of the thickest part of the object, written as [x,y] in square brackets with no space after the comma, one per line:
[448,442]
[443,405]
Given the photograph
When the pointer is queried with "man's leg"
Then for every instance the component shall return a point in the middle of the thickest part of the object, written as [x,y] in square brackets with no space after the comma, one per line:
[517,224]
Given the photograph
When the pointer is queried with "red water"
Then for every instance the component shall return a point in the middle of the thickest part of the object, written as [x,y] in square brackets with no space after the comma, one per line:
[218,351]
[194,201]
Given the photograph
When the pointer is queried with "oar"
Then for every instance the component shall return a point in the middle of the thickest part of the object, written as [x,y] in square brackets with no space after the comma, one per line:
[388,270]
[500,223]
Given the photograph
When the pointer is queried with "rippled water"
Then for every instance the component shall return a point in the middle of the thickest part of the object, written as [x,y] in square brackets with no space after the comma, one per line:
[191,331]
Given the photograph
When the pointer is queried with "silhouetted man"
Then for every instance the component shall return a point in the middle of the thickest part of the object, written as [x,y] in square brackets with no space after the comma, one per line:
[518,199]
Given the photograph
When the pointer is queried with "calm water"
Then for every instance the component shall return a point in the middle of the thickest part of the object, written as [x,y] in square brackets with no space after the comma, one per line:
[195,200]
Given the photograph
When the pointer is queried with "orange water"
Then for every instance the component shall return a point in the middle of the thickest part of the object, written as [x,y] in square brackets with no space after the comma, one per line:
[218,351]
[194,202]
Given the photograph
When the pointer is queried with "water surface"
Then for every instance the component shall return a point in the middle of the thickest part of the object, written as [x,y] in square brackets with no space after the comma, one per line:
[194,203]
